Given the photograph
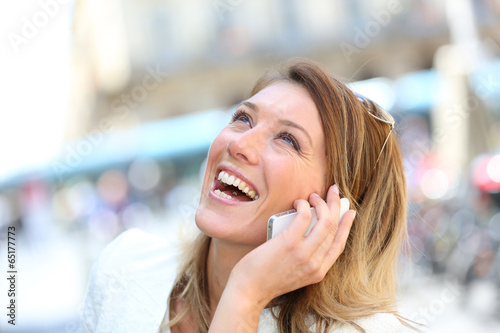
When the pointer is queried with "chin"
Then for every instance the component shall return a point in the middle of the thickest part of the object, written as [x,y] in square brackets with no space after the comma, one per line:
[229,228]
[209,223]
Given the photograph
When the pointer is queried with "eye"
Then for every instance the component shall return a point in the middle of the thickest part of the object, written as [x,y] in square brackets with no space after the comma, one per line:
[290,139]
[240,115]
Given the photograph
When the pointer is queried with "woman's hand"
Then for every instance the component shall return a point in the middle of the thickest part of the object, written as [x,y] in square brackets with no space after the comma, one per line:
[289,261]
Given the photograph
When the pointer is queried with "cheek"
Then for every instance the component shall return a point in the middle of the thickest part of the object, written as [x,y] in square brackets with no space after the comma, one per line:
[289,179]
[220,143]
[217,147]
[300,179]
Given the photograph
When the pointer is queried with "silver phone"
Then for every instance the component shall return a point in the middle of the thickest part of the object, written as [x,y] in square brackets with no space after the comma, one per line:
[279,222]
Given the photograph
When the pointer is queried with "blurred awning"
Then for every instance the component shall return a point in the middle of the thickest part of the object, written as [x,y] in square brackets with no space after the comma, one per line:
[173,138]
[416,92]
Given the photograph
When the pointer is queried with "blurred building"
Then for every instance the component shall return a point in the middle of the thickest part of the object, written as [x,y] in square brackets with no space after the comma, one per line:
[139,61]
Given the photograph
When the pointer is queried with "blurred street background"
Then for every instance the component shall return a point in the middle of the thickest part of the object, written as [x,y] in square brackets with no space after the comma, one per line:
[108,109]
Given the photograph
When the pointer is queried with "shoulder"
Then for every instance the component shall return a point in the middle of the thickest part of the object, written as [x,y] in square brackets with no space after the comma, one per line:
[130,280]
[135,253]
[379,322]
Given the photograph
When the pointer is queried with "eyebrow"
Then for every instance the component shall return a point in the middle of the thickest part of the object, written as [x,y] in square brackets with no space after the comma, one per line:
[251,105]
[285,122]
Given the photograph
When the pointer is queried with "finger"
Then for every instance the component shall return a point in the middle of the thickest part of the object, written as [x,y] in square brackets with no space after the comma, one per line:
[333,201]
[340,240]
[324,231]
[303,218]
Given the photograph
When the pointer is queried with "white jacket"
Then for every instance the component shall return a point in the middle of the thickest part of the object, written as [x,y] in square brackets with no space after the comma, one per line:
[133,277]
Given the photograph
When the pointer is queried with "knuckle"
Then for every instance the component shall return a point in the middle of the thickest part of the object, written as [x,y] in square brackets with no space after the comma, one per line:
[340,247]
[305,214]
[325,247]
[313,266]
[331,225]
[290,244]
[318,276]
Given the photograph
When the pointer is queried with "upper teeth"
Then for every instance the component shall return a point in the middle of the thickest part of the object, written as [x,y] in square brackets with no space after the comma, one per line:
[236,182]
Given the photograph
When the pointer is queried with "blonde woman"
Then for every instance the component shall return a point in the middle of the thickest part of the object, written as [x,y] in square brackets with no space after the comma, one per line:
[301,140]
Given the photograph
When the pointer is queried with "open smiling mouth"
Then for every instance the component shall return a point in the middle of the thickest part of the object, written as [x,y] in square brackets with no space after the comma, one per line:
[228,186]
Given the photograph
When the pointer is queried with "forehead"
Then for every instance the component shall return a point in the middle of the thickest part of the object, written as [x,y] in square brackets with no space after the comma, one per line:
[289,101]
[284,98]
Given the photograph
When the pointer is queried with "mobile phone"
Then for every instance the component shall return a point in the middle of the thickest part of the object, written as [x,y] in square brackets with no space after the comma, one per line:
[279,222]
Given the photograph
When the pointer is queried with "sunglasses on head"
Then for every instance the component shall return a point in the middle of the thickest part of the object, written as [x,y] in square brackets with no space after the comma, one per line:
[380,114]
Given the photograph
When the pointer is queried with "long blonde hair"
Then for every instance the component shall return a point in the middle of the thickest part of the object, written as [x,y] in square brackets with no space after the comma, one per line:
[362,281]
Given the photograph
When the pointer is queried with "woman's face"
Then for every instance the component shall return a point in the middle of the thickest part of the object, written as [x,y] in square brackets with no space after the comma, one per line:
[275,145]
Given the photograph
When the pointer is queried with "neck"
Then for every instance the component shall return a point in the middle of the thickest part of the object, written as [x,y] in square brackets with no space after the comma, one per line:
[222,257]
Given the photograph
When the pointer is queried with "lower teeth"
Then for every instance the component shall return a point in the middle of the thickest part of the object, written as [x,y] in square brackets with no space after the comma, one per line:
[222,194]
[226,196]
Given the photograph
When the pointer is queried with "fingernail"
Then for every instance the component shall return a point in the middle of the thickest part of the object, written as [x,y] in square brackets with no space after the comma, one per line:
[354,215]
[316,194]
[335,189]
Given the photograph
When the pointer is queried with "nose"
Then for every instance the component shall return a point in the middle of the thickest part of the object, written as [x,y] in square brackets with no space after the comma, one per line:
[246,146]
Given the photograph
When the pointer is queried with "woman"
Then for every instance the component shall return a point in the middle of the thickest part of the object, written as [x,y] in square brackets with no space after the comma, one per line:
[300,139]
